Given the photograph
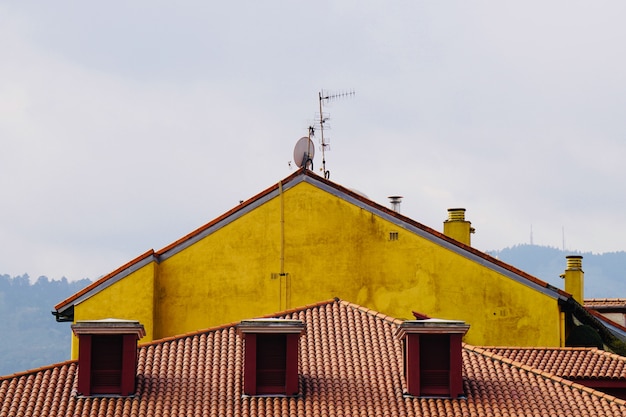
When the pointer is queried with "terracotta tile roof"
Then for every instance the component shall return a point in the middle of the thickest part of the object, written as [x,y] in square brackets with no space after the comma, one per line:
[350,365]
[306,175]
[570,363]
[602,303]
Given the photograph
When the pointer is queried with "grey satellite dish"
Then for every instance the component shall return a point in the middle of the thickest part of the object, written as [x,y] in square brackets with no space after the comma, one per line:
[304,152]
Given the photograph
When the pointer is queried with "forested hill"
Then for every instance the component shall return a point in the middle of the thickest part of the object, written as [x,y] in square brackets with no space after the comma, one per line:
[605,274]
[30,336]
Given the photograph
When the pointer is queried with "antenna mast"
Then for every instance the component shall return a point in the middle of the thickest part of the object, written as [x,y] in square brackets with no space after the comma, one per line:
[325,97]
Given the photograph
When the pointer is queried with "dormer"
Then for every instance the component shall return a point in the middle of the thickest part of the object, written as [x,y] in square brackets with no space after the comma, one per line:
[433,357]
[271,356]
[107,356]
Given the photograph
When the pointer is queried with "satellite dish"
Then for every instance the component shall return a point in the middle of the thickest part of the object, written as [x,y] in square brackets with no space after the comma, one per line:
[304,152]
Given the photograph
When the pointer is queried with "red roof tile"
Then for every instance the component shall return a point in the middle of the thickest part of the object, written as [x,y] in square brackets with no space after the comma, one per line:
[602,303]
[350,365]
[571,363]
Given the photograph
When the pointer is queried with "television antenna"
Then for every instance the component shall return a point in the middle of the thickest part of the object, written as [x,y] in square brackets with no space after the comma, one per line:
[322,119]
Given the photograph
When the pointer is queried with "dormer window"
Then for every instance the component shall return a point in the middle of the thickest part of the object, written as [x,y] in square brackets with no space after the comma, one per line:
[433,357]
[107,356]
[271,356]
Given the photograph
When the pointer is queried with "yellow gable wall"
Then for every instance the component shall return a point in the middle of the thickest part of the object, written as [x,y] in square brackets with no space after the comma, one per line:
[331,248]
[131,298]
[348,253]
[223,278]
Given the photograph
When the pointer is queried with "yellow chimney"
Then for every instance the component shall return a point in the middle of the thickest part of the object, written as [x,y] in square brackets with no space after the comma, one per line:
[575,277]
[457,227]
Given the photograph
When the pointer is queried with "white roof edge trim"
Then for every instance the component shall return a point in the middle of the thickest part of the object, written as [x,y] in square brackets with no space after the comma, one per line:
[438,241]
[122,274]
[331,190]
[226,221]
[183,245]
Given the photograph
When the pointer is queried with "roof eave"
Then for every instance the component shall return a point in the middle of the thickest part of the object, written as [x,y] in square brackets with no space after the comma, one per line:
[336,189]
[104,282]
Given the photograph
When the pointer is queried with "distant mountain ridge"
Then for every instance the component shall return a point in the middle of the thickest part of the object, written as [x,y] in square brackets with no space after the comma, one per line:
[31,338]
[605,273]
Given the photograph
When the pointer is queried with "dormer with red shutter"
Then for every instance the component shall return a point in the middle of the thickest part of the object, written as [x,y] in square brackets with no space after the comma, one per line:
[271,356]
[433,357]
[107,356]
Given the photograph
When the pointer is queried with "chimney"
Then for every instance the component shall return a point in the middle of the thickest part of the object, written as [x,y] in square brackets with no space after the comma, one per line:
[107,356]
[433,364]
[271,356]
[457,227]
[575,277]
[395,201]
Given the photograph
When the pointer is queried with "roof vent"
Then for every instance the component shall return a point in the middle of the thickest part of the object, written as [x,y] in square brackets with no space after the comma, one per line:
[432,357]
[107,356]
[574,261]
[457,227]
[395,201]
[575,277]
[271,356]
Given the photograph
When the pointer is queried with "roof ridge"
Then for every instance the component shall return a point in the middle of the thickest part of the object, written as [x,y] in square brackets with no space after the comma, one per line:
[35,370]
[540,348]
[235,323]
[302,308]
[372,312]
[438,234]
[594,350]
[188,334]
[104,278]
[307,174]
[227,214]
[184,238]
[544,374]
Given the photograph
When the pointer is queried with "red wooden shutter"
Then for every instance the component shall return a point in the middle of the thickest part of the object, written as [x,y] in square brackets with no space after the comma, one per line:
[271,363]
[106,364]
[435,364]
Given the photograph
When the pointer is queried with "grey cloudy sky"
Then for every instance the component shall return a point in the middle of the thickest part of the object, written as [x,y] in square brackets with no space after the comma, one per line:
[126,125]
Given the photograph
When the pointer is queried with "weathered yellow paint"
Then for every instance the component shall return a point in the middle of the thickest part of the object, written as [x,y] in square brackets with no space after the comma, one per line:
[131,298]
[306,245]
[563,327]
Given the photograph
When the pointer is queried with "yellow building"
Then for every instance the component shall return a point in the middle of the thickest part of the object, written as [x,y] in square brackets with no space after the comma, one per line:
[306,239]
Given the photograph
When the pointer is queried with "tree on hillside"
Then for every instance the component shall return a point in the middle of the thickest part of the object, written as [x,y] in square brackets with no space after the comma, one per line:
[31,337]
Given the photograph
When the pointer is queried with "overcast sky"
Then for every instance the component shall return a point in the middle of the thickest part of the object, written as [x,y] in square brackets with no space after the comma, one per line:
[126,125]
